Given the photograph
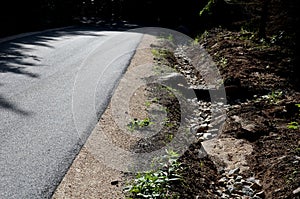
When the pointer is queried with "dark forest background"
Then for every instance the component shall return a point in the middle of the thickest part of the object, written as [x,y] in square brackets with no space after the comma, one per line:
[269,16]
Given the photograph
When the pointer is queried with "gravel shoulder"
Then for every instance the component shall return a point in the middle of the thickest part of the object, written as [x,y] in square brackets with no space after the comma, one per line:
[89,176]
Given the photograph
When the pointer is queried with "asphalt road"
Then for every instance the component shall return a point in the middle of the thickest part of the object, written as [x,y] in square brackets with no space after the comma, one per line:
[53,87]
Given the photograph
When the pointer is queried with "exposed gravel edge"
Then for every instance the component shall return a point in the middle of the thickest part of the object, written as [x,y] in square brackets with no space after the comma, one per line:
[88,177]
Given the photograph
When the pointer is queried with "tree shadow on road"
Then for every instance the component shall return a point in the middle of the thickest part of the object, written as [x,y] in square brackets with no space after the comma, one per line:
[16,56]
[5,104]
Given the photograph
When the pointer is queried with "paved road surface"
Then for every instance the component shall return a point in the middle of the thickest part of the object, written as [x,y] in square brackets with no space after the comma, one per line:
[52,87]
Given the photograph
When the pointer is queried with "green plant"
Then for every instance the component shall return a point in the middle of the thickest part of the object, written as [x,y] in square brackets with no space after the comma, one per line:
[138,124]
[172,92]
[168,123]
[246,34]
[271,98]
[223,62]
[155,52]
[170,137]
[297,150]
[155,100]
[164,109]
[291,177]
[151,101]
[293,125]
[274,96]
[196,41]
[204,34]
[148,104]
[207,8]
[170,38]
[160,53]
[156,183]
[201,164]
[200,37]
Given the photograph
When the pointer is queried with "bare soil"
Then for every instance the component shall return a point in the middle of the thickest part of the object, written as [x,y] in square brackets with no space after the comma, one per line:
[252,69]
[262,69]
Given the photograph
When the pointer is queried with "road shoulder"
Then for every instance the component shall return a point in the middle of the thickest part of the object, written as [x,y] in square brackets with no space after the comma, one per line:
[88,176]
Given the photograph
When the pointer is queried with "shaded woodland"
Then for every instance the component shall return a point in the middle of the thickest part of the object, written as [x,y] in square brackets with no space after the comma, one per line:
[275,15]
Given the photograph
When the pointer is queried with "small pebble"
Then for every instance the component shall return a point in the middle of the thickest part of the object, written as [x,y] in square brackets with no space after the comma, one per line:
[251,179]
[238,178]
[248,191]
[296,191]
[260,194]
[234,171]
[207,136]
